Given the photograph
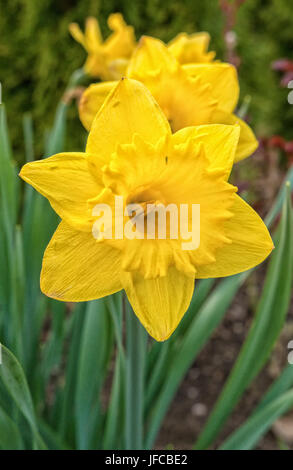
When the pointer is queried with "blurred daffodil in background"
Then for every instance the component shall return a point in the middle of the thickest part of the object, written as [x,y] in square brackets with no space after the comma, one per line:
[131,152]
[191,94]
[107,59]
[191,48]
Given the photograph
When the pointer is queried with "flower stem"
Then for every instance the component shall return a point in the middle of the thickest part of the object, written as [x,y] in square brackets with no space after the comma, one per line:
[135,367]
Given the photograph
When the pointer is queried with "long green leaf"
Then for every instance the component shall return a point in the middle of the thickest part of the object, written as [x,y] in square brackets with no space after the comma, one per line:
[91,367]
[280,386]
[9,189]
[28,132]
[114,420]
[10,438]
[13,378]
[113,430]
[248,435]
[134,380]
[67,423]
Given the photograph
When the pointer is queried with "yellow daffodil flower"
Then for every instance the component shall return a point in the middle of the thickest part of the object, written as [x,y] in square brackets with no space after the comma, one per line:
[131,153]
[106,60]
[191,48]
[189,95]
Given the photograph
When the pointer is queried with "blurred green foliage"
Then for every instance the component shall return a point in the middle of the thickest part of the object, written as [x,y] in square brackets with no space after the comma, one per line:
[37,54]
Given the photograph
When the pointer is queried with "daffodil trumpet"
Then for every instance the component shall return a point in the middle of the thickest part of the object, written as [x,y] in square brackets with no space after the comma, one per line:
[191,48]
[131,152]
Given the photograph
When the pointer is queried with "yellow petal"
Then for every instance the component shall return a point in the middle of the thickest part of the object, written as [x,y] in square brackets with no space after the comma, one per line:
[77,268]
[188,101]
[247,140]
[159,303]
[185,101]
[96,65]
[150,56]
[117,68]
[67,183]
[77,34]
[251,243]
[92,100]
[121,43]
[220,143]
[128,109]
[116,22]
[191,48]
[92,34]
[223,79]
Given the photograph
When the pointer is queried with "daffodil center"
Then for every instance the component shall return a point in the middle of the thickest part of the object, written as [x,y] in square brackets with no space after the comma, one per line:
[141,204]
[145,197]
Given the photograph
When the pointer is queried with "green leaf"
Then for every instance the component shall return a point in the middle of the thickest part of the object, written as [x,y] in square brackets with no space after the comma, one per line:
[10,439]
[56,138]
[248,435]
[9,184]
[268,322]
[280,386]
[277,206]
[17,284]
[13,378]
[113,429]
[91,371]
[66,425]
[51,437]
[8,209]
[114,420]
[134,379]
[27,123]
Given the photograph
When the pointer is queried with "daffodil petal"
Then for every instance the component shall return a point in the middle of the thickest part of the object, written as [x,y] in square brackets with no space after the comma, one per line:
[251,243]
[92,100]
[220,142]
[117,68]
[93,33]
[159,303]
[78,268]
[185,100]
[121,42]
[247,140]
[223,79]
[77,34]
[191,48]
[150,56]
[128,109]
[116,22]
[65,180]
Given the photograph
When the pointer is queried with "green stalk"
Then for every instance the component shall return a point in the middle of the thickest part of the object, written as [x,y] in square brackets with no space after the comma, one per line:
[135,374]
